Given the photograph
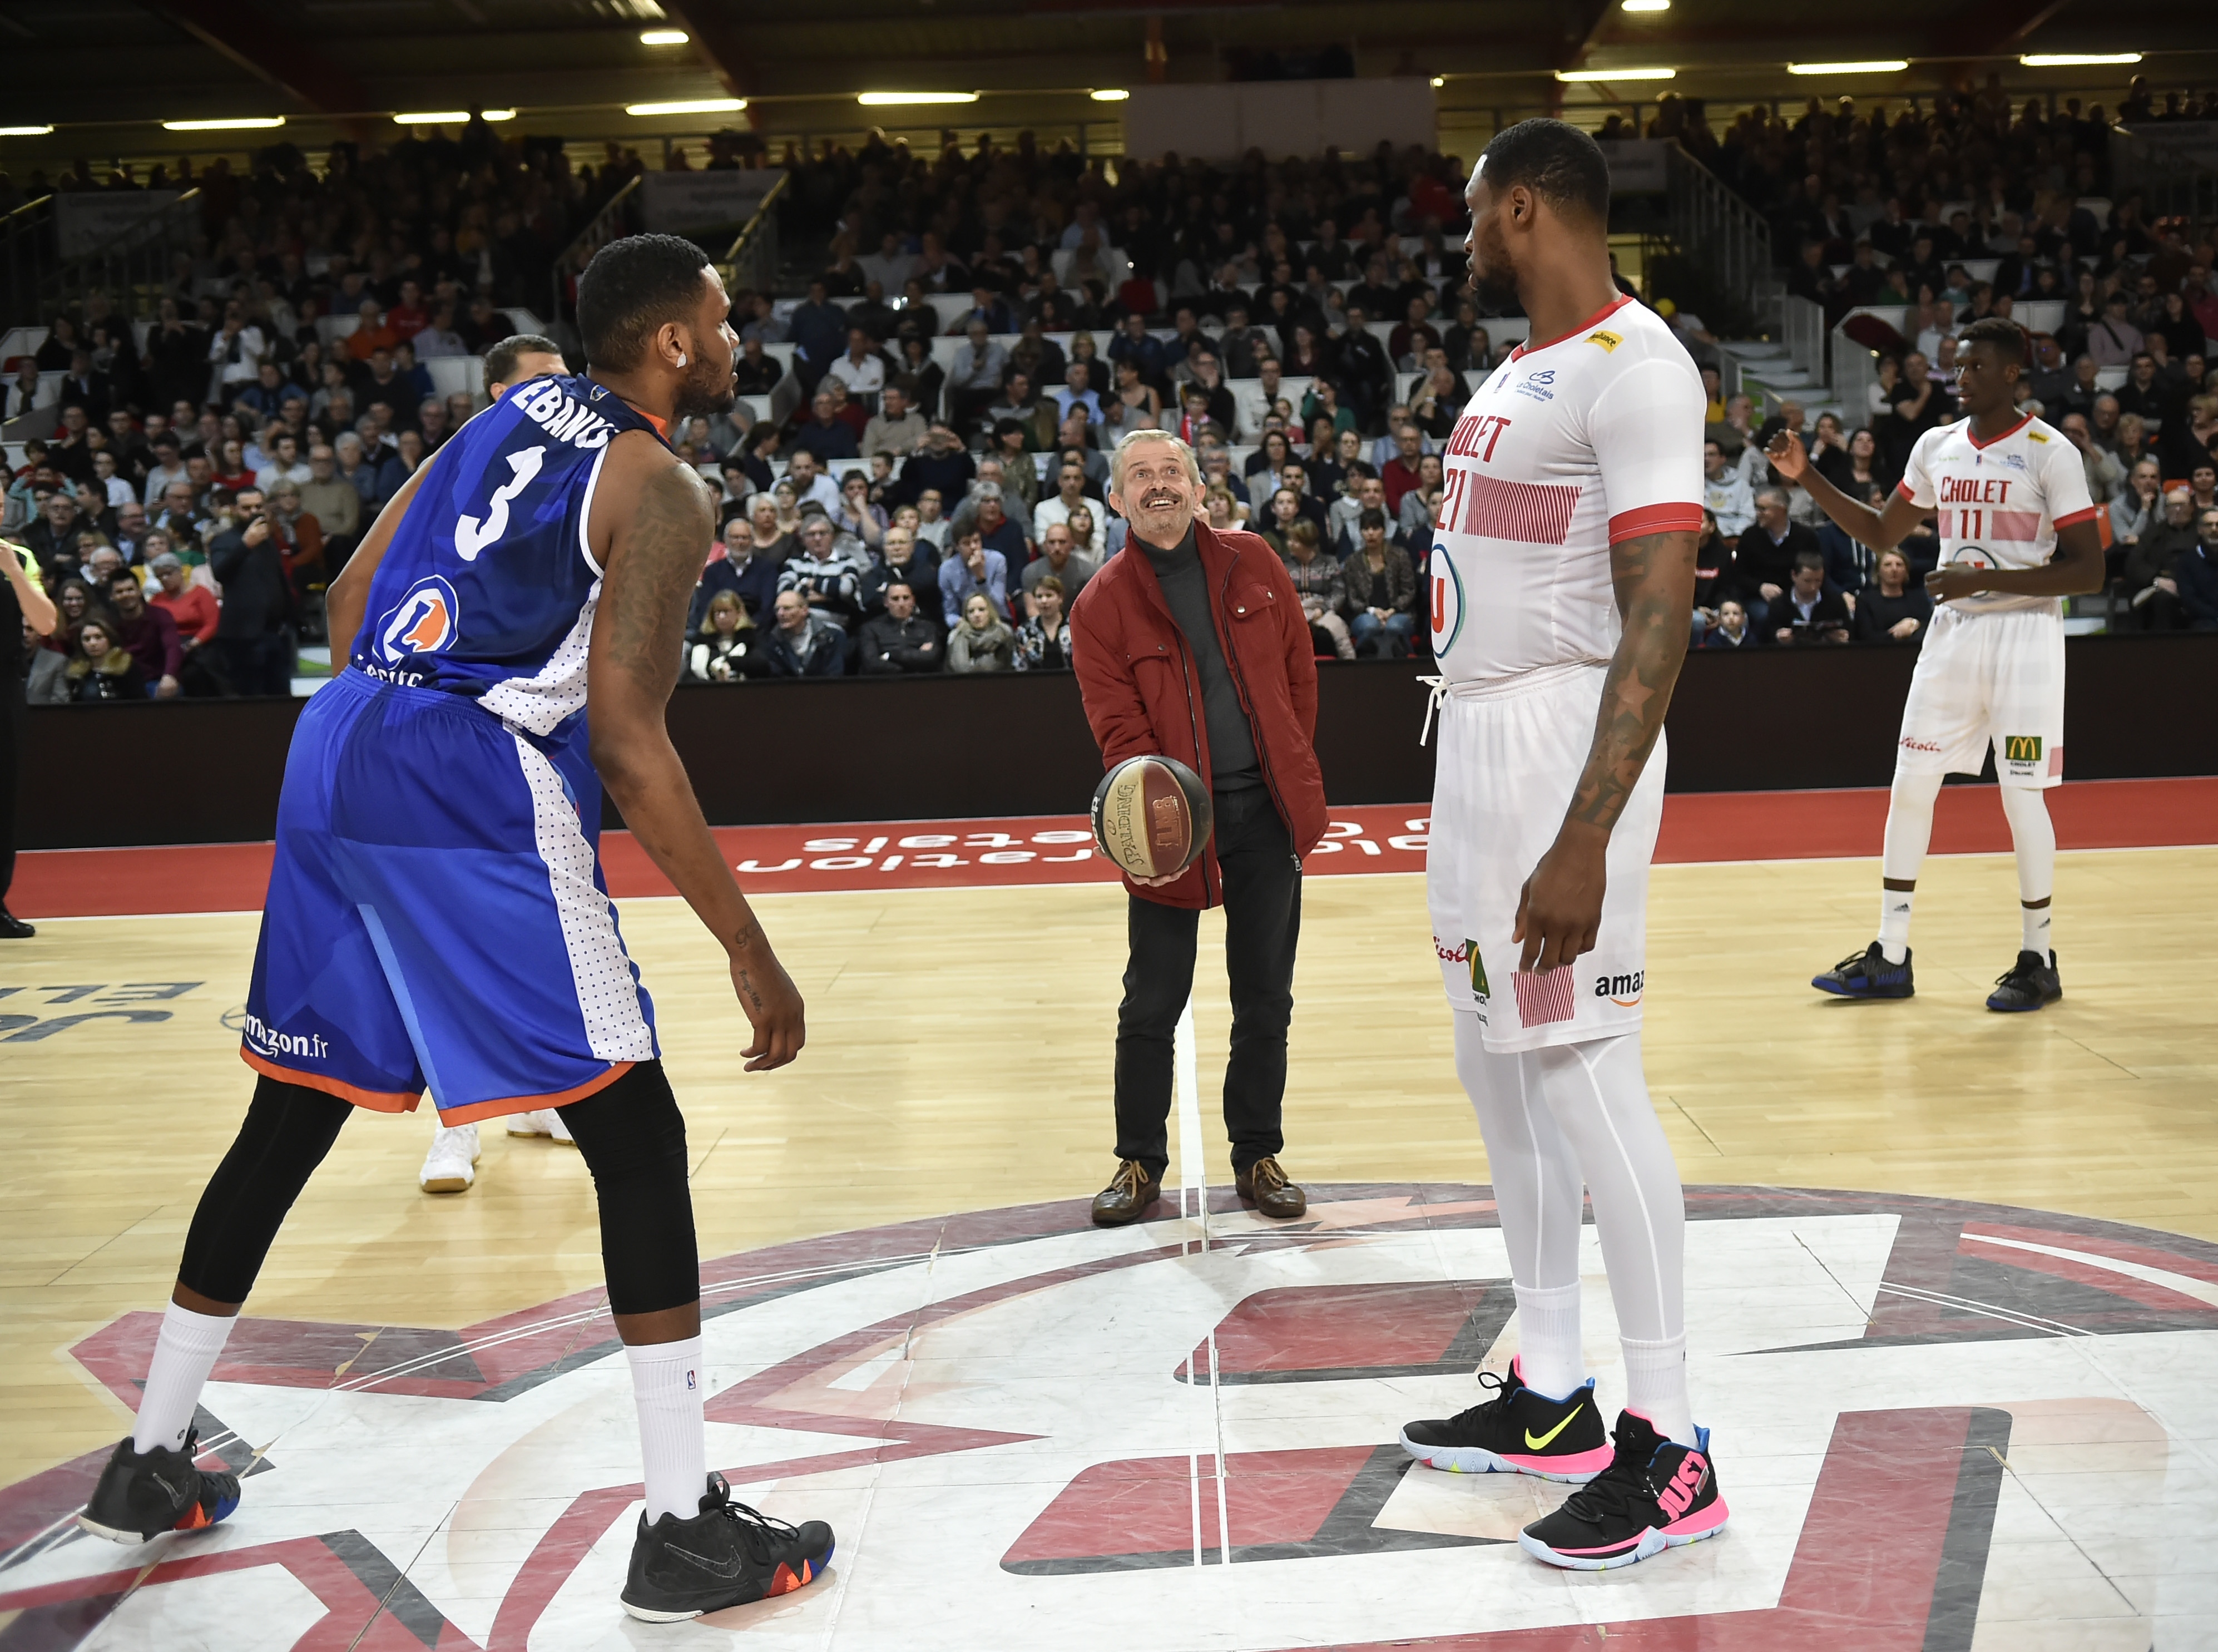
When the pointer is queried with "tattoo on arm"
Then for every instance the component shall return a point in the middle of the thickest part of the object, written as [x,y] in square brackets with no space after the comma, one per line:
[662,555]
[1655,580]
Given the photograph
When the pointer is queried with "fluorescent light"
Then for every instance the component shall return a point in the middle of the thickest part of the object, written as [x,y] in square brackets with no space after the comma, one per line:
[882,100]
[1875,66]
[690,106]
[1439,81]
[1110,95]
[432,118]
[497,115]
[24,132]
[663,37]
[1615,74]
[248,123]
[1648,5]
[2076,60]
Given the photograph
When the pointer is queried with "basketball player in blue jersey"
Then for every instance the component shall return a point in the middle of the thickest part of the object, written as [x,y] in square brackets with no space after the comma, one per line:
[437,917]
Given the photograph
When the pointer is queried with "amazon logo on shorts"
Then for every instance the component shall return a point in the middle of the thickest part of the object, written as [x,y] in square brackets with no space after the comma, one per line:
[423,621]
[1623,991]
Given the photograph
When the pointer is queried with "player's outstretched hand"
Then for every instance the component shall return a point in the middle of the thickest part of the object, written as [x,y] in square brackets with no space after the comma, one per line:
[1559,908]
[1786,456]
[770,1000]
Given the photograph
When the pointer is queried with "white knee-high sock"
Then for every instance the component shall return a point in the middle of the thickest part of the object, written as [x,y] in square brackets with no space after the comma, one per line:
[1909,831]
[185,1352]
[2033,835]
[670,1388]
[1536,1185]
[1599,1097]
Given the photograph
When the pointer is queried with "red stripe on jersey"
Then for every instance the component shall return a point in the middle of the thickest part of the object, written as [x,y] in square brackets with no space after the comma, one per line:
[1536,513]
[1544,997]
[2024,525]
[1903,489]
[1655,519]
[2087,515]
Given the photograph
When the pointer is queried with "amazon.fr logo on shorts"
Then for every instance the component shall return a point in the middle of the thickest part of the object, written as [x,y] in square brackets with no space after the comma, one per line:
[2021,748]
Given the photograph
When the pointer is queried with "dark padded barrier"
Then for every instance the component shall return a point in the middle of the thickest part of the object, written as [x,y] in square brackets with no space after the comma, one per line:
[944,748]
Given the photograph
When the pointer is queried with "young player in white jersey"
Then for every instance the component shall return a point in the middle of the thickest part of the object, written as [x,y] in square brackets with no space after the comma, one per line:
[1562,573]
[2017,533]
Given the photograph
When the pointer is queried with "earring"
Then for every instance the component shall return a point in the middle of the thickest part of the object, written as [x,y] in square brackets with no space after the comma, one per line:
[681,358]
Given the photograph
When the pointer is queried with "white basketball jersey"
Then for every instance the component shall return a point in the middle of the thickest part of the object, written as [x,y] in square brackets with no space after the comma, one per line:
[1569,447]
[1999,503]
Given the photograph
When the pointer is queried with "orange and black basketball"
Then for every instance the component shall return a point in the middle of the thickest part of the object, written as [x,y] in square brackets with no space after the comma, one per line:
[1152,816]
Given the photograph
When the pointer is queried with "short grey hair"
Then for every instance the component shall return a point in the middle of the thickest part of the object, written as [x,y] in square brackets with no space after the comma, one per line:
[165,563]
[1126,441]
[986,490]
[1779,495]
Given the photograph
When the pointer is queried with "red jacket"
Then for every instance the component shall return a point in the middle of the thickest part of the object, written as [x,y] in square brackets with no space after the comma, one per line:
[1143,693]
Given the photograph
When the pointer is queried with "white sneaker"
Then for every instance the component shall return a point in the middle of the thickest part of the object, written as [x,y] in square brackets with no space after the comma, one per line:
[447,1168]
[547,1121]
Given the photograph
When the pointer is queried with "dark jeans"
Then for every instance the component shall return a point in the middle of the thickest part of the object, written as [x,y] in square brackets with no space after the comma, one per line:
[1262,926]
[258,665]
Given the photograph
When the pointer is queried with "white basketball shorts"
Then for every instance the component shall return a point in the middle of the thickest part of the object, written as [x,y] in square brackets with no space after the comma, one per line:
[1994,678]
[1510,756]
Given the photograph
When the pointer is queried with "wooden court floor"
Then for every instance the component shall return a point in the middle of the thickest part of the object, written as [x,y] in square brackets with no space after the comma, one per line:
[959,1059]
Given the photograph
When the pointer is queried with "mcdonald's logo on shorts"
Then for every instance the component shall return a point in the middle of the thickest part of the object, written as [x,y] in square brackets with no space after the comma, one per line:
[2022,749]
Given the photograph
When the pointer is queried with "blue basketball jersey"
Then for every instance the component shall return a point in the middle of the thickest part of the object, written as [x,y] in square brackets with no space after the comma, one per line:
[488,588]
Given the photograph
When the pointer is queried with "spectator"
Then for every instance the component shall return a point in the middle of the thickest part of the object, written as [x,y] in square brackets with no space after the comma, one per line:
[1403,474]
[2139,506]
[2193,578]
[1725,493]
[149,635]
[856,517]
[1892,609]
[2106,478]
[827,571]
[803,645]
[1042,641]
[101,668]
[983,641]
[192,607]
[1320,583]
[284,464]
[1732,629]
[1382,591]
[1070,496]
[825,435]
[975,378]
[972,570]
[46,682]
[898,640]
[248,562]
[725,648]
[740,570]
[1001,533]
[1766,556]
[1061,560]
[862,369]
[2147,562]
[2115,340]
[896,428]
[1806,612]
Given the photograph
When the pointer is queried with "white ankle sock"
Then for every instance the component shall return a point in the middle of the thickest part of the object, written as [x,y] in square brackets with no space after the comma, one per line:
[184,1353]
[671,1388]
[1894,923]
[2036,929]
[1656,1386]
[1548,1356]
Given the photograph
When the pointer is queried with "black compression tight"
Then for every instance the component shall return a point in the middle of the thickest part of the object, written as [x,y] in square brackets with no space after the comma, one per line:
[630,1134]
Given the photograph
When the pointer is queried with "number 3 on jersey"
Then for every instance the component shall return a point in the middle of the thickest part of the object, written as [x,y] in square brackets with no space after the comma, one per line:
[472,534]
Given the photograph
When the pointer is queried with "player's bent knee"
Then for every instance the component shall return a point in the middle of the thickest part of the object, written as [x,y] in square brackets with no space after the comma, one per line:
[631,1126]
[287,1131]
[631,1136]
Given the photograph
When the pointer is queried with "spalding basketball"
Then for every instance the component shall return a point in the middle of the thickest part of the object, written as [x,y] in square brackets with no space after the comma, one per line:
[1152,816]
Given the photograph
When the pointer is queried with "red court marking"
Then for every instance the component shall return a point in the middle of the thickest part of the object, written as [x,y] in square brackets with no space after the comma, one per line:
[1334,1327]
[1057,849]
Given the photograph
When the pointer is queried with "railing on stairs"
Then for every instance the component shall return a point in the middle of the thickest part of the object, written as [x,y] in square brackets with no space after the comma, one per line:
[751,261]
[1802,330]
[1717,231]
[612,222]
[2172,184]
[131,267]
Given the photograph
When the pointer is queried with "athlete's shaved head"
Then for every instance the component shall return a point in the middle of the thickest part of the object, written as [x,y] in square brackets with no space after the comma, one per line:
[631,287]
[1557,162]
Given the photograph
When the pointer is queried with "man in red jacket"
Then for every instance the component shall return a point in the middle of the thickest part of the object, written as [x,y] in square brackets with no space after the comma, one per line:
[1192,644]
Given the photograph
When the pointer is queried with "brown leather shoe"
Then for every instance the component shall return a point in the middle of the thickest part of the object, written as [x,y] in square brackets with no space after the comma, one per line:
[1264,1185]
[1128,1196]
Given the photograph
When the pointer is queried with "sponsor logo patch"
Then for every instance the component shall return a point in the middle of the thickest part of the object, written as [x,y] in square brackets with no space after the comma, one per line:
[1623,991]
[2022,749]
[1608,341]
[1911,742]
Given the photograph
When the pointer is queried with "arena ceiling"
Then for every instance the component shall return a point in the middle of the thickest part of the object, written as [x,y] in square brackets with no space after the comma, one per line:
[105,73]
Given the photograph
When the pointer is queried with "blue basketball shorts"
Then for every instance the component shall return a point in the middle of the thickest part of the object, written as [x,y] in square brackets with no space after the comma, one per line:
[436,916]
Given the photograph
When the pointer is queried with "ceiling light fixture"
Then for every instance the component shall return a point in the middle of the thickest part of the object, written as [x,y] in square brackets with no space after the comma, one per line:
[245,123]
[497,115]
[690,106]
[1439,81]
[1648,5]
[1615,74]
[1874,66]
[24,132]
[2076,60]
[1109,94]
[432,118]
[886,100]
[663,37]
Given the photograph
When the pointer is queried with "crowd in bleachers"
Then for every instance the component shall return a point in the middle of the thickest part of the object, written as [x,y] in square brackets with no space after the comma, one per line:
[915,478]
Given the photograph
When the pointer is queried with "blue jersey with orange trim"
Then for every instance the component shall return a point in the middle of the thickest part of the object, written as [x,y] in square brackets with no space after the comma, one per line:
[489,585]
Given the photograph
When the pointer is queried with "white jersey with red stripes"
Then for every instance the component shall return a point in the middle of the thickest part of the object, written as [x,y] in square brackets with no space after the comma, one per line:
[1569,447]
[1999,503]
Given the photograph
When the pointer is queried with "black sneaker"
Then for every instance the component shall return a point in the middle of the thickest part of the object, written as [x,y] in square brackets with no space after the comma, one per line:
[141,1496]
[1656,1494]
[1517,1432]
[1868,974]
[725,1555]
[13,927]
[2026,985]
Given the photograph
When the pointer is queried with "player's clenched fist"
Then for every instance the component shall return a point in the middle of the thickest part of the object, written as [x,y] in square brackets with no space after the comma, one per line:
[1786,456]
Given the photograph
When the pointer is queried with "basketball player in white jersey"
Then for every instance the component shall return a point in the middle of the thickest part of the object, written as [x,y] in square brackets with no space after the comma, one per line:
[450,1165]
[1562,572]
[2017,533]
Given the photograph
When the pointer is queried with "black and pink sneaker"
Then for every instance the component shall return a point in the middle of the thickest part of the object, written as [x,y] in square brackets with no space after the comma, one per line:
[1518,1431]
[1656,1494]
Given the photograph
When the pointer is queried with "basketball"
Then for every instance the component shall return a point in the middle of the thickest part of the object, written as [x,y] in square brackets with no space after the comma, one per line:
[1151,816]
